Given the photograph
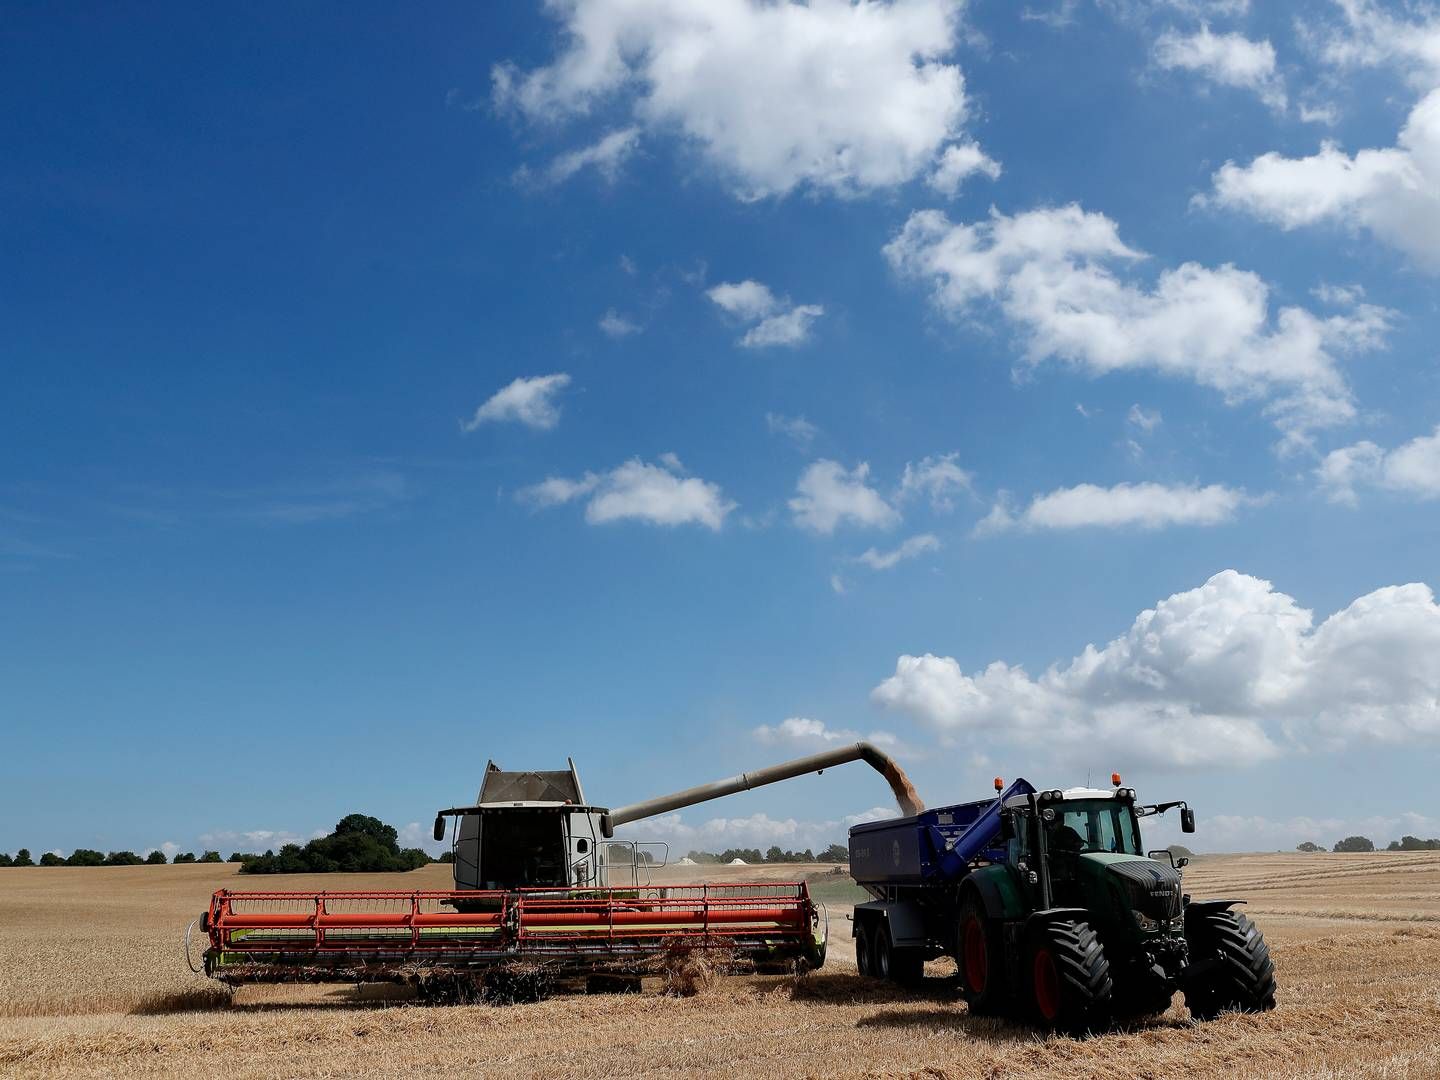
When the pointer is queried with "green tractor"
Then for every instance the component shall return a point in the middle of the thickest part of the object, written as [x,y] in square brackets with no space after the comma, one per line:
[1053,911]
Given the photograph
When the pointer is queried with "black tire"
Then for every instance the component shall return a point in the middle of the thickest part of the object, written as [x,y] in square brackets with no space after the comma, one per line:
[882,954]
[907,967]
[1244,978]
[980,954]
[862,951]
[1068,977]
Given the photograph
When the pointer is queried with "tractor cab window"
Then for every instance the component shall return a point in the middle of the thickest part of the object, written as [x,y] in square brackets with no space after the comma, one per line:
[1106,825]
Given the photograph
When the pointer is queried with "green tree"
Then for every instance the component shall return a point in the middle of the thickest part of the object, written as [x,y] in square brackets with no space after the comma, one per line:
[1309,846]
[210,856]
[1355,843]
[22,857]
[183,857]
[155,858]
[123,858]
[6,860]
[775,854]
[834,853]
[85,857]
[360,844]
[50,859]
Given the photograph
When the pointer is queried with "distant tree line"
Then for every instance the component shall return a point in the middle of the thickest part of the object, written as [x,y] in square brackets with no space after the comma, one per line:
[359,845]
[835,853]
[91,857]
[1364,843]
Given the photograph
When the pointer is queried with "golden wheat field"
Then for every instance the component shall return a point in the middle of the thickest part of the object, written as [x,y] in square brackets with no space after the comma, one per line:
[93,983]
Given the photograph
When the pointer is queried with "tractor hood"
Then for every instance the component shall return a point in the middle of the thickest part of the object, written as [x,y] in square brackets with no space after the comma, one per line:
[1153,888]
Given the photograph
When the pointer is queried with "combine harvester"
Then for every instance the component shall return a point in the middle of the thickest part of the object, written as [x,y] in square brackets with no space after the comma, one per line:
[1052,910]
[536,887]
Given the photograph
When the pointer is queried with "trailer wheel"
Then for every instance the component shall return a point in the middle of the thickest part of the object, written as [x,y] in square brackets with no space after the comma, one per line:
[882,953]
[862,951]
[1244,978]
[904,967]
[1068,977]
[980,953]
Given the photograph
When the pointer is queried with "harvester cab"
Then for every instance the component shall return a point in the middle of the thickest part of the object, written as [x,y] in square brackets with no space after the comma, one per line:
[1052,909]
[534,830]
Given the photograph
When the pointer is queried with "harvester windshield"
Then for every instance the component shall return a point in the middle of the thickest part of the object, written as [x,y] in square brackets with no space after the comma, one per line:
[1106,825]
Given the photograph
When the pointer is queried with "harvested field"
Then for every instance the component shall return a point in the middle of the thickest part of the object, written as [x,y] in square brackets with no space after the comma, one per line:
[93,982]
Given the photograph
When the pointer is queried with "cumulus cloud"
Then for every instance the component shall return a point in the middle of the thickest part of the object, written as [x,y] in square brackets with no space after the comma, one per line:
[833,95]
[958,163]
[828,495]
[528,401]
[1413,469]
[757,831]
[1140,506]
[776,321]
[910,549]
[613,324]
[1367,35]
[1227,59]
[936,478]
[1232,672]
[1393,192]
[803,730]
[637,491]
[1057,275]
[795,428]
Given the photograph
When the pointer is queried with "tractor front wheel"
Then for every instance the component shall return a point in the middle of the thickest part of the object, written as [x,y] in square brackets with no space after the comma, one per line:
[1243,976]
[1068,977]
[979,952]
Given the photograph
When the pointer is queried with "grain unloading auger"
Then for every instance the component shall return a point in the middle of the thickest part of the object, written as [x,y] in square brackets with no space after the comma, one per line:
[535,869]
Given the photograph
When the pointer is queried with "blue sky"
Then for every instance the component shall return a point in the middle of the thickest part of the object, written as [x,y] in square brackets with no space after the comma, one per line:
[1041,390]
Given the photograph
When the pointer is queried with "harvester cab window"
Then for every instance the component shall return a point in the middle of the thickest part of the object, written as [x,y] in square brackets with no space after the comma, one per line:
[1095,825]
[528,851]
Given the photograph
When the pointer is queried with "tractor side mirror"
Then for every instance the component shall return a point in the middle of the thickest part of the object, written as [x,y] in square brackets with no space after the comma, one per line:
[1187,820]
[439,826]
[1181,863]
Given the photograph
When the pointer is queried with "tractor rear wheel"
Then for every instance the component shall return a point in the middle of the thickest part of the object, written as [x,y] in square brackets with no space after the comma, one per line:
[1068,977]
[979,951]
[862,950]
[1243,980]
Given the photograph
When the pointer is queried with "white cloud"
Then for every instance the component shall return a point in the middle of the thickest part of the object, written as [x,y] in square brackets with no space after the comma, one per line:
[957,164]
[529,401]
[605,156]
[638,491]
[937,478]
[1228,59]
[1393,193]
[795,428]
[910,549]
[248,840]
[839,96]
[1369,36]
[1413,468]
[617,326]
[801,729]
[829,495]
[776,321]
[1052,273]
[1143,506]
[757,831]
[1146,420]
[1233,672]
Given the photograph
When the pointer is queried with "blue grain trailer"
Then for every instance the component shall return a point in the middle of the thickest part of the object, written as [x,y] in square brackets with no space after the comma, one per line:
[1052,910]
